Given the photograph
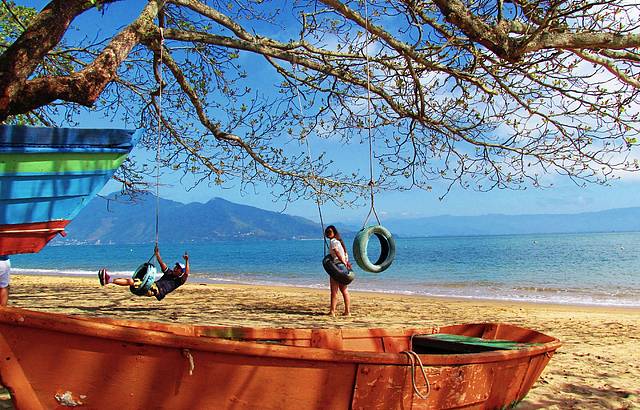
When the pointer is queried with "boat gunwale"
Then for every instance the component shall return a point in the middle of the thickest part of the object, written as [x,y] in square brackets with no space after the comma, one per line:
[54,149]
[94,327]
[28,139]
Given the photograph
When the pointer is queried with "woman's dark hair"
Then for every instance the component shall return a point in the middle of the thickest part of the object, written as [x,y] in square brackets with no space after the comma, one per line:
[336,235]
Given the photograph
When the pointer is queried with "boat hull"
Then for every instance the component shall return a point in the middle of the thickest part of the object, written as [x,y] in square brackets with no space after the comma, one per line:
[51,360]
[47,175]
[29,238]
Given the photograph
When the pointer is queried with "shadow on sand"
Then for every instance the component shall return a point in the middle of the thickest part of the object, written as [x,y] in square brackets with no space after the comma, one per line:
[581,396]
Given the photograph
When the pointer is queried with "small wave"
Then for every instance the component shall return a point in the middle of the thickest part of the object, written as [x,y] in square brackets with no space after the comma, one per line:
[64,272]
[477,290]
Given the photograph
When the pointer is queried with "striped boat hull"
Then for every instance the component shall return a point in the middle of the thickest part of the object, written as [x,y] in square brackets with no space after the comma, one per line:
[47,175]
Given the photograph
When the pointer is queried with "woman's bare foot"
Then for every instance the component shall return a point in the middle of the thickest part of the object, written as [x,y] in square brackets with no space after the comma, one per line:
[332,313]
[346,314]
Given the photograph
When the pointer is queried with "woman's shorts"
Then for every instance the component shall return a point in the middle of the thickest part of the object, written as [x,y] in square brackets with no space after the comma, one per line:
[5,267]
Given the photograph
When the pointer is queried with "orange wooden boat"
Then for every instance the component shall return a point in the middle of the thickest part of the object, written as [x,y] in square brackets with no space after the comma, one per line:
[54,361]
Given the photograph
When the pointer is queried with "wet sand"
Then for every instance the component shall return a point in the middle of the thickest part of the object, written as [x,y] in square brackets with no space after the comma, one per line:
[598,366]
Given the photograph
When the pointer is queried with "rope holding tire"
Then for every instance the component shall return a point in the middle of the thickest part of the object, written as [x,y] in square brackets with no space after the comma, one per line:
[146,273]
[387,248]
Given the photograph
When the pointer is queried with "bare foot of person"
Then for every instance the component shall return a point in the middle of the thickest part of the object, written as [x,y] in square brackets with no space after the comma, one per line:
[332,313]
[346,314]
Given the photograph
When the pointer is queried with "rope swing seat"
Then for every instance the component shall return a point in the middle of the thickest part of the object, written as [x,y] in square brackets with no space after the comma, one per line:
[146,274]
[387,248]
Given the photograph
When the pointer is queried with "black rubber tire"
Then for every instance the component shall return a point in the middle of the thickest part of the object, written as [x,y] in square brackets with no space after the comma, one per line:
[342,276]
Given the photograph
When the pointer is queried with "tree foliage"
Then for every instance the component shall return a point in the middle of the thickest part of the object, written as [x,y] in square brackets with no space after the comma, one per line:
[481,93]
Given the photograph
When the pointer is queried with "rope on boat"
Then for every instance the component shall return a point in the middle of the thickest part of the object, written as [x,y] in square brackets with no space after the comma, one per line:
[413,357]
[187,353]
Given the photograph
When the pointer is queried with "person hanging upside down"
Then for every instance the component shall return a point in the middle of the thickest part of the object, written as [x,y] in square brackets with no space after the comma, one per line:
[171,279]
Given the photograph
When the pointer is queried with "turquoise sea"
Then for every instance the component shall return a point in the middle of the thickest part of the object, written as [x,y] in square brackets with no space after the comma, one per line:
[592,269]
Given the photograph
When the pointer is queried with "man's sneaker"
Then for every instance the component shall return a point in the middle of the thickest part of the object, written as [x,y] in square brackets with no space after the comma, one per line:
[103,276]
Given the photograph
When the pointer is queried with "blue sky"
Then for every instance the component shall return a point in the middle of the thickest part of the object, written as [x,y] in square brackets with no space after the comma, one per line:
[564,197]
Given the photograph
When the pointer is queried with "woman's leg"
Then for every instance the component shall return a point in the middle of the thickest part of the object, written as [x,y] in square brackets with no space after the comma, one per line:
[4,296]
[334,296]
[5,268]
[347,300]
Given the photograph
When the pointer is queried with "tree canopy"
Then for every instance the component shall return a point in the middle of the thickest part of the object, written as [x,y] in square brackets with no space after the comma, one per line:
[482,93]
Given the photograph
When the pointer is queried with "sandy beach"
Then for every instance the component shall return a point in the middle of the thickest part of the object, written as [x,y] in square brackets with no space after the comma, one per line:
[598,366]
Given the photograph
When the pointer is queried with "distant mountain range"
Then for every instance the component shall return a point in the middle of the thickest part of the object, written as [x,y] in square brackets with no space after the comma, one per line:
[119,222]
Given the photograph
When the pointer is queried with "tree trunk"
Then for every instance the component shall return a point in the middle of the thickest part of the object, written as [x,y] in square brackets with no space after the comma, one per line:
[18,94]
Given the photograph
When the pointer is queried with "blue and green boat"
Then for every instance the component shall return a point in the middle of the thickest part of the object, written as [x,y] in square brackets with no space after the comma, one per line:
[47,175]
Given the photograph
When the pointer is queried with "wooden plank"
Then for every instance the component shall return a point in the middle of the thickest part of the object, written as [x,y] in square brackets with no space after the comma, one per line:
[28,238]
[382,388]
[396,344]
[13,377]
[490,331]
[327,338]
[56,163]
[508,380]
[535,368]
[451,387]
[111,374]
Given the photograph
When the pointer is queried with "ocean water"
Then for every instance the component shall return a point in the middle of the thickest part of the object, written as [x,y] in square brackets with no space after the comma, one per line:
[590,269]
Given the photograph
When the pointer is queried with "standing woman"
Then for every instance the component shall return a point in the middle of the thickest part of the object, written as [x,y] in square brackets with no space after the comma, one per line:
[340,256]
[5,268]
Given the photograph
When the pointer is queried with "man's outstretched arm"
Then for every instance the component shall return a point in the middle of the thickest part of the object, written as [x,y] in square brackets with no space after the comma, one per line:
[163,266]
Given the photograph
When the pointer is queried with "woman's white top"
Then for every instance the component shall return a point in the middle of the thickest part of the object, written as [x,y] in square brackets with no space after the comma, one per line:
[336,250]
[5,268]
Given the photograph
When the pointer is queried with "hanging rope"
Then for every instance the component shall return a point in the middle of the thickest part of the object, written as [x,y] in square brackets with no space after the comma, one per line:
[372,209]
[318,192]
[361,241]
[159,135]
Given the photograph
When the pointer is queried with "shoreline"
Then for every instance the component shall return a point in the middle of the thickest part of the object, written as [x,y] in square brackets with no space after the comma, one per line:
[199,280]
[597,367]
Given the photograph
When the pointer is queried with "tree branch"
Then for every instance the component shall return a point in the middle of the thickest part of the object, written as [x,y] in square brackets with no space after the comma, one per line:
[84,87]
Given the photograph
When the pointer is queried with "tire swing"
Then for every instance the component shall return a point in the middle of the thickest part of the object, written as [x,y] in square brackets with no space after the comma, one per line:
[387,248]
[146,274]
[339,273]
[360,242]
